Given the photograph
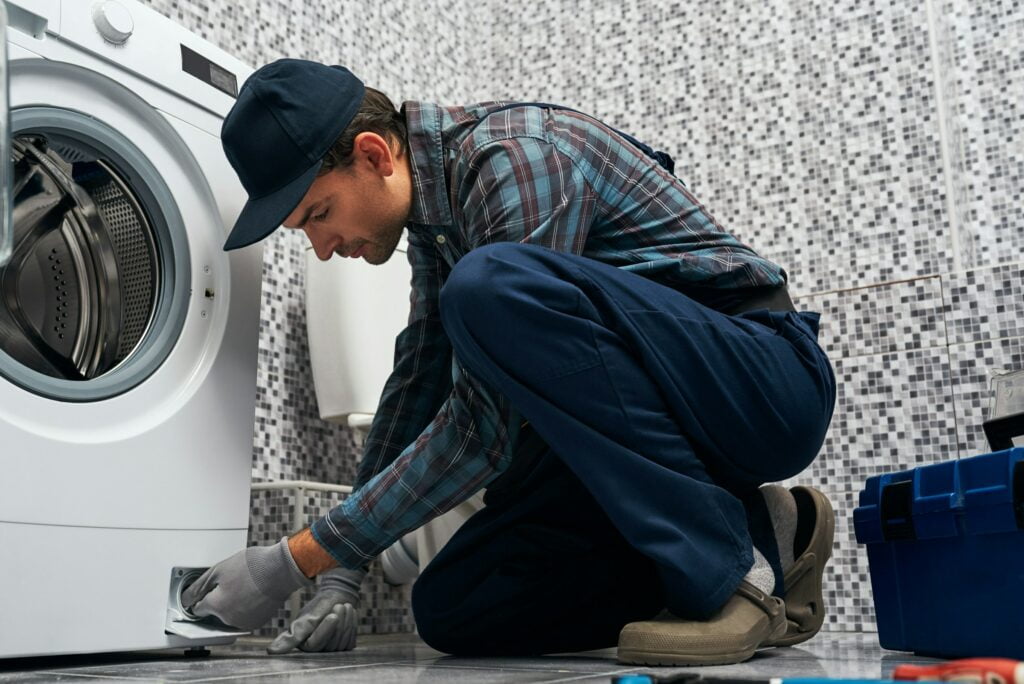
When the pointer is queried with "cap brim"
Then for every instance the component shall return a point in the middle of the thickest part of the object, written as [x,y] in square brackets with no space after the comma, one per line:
[261,217]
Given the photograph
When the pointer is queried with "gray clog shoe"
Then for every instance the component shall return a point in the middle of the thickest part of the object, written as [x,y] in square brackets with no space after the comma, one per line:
[816,526]
[749,620]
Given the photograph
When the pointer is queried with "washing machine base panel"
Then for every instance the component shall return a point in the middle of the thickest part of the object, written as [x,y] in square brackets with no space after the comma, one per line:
[92,590]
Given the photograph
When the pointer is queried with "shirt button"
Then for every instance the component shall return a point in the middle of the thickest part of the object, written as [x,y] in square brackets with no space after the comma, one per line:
[440,239]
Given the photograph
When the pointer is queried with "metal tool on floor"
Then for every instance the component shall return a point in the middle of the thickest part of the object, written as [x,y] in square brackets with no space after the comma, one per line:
[645,678]
[966,671]
[640,678]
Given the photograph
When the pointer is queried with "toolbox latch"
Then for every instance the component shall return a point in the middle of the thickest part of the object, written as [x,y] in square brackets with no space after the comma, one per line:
[897,511]
[1018,493]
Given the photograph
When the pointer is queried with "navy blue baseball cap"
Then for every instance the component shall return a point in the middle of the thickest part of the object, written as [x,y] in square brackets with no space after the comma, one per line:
[287,116]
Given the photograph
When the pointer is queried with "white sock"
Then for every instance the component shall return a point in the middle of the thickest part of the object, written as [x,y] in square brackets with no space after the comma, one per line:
[782,511]
[761,575]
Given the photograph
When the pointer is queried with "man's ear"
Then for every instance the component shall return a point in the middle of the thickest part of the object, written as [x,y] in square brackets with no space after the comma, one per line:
[370,147]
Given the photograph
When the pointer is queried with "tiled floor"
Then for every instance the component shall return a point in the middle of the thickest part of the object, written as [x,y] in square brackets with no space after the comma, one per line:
[404,658]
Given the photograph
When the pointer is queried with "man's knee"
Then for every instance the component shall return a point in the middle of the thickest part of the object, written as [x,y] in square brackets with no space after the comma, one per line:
[427,626]
[479,294]
[496,283]
[434,613]
[477,278]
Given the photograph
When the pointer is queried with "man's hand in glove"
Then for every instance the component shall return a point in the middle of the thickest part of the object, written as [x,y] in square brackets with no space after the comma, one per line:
[328,622]
[246,589]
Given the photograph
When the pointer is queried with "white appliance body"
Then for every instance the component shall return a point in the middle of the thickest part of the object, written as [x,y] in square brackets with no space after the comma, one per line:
[108,483]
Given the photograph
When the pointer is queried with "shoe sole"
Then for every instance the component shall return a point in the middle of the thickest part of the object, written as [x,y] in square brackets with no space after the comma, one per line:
[633,656]
[670,659]
[805,610]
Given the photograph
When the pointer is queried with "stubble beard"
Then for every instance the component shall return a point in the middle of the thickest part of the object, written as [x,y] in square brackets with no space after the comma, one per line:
[382,250]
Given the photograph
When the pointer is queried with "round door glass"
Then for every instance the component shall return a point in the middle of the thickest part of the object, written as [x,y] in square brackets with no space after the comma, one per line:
[90,278]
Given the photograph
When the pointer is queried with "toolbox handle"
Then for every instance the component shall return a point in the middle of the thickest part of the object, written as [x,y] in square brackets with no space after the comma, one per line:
[1000,431]
[1018,493]
[896,509]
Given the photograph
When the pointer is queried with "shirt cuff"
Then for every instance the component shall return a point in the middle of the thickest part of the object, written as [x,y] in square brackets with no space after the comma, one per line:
[349,537]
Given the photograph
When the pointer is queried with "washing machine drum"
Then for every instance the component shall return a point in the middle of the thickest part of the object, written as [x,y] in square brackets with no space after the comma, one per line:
[79,291]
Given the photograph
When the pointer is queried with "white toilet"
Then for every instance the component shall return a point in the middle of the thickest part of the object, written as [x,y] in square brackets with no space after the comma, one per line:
[354,312]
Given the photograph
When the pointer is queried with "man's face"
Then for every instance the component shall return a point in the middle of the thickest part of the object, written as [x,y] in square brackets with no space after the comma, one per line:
[359,211]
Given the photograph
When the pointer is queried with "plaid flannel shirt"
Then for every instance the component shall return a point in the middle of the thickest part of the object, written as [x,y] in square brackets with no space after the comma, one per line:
[532,175]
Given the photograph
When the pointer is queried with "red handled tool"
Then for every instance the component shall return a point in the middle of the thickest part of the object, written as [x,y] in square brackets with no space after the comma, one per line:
[967,671]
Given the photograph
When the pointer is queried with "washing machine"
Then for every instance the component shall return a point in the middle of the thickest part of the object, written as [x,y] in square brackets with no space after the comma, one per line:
[128,337]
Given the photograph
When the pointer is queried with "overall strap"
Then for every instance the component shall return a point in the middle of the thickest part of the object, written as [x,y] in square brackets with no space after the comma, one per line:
[661,157]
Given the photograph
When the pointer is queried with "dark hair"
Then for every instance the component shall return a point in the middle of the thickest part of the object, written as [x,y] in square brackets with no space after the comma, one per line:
[376,114]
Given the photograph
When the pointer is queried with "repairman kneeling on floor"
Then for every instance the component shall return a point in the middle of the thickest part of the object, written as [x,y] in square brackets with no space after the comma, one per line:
[587,343]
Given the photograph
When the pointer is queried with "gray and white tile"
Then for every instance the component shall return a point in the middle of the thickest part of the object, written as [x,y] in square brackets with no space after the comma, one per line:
[879,319]
[985,303]
[893,412]
[974,366]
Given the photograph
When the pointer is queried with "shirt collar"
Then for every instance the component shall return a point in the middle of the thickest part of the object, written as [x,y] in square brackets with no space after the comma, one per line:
[429,190]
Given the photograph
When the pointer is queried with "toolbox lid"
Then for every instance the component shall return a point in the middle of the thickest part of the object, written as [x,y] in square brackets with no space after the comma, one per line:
[977,495]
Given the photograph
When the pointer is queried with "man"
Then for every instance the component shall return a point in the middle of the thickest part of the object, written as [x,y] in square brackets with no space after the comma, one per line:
[586,343]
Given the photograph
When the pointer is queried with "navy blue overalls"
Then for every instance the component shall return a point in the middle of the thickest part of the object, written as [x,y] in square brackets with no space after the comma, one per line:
[653,419]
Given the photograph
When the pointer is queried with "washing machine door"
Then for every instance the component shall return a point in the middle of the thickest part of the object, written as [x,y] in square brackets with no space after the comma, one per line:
[6,230]
[78,291]
[86,277]
[95,292]
[128,337]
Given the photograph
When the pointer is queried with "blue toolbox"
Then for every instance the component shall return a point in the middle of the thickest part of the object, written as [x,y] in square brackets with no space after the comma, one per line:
[945,546]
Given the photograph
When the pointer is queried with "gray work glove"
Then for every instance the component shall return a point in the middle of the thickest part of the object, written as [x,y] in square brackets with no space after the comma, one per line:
[246,589]
[328,622]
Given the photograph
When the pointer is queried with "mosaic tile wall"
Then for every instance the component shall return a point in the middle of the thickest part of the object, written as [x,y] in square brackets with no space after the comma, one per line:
[874,148]
[856,143]
[383,608]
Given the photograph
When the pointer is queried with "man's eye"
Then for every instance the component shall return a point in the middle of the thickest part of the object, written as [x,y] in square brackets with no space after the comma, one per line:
[321,216]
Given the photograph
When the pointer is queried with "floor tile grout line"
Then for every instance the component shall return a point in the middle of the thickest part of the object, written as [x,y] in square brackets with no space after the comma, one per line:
[610,673]
[399,663]
[218,679]
[61,673]
[254,675]
[491,668]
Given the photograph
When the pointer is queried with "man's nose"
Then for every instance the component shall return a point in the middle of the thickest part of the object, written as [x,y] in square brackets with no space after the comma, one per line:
[321,245]
[322,253]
